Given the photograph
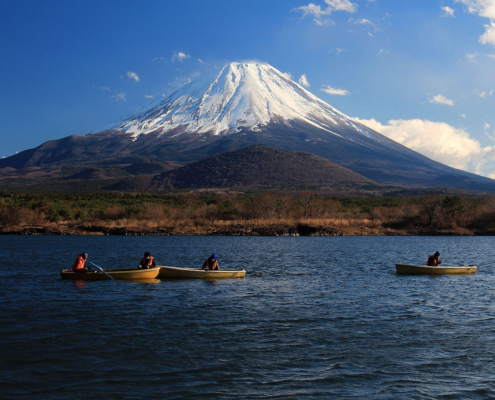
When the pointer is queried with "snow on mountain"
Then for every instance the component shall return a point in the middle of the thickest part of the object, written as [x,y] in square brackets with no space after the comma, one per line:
[243,95]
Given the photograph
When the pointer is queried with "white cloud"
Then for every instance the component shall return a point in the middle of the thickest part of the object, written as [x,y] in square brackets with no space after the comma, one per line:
[119,96]
[486,127]
[324,22]
[182,80]
[303,81]
[331,5]
[382,51]
[201,61]
[105,89]
[180,57]
[485,9]
[311,9]
[148,96]
[462,115]
[472,57]
[132,75]
[337,51]
[438,141]
[341,5]
[475,56]
[440,99]
[179,81]
[448,12]
[331,90]
[158,61]
[483,94]
[489,35]
[287,75]
[363,21]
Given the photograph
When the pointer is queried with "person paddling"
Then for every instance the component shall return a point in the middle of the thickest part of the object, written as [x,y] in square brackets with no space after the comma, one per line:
[147,262]
[78,265]
[433,261]
[211,263]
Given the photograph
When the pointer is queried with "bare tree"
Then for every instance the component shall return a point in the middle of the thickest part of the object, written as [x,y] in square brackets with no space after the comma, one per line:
[189,202]
[268,204]
[429,207]
[332,207]
[284,205]
[306,200]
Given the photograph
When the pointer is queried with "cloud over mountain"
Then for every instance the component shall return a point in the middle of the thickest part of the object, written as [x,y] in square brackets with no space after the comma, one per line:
[438,141]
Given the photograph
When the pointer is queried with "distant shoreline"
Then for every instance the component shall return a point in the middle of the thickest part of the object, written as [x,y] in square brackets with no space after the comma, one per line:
[300,229]
[266,214]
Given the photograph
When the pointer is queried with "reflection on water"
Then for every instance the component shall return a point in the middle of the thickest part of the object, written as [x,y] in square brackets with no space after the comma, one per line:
[81,284]
[314,318]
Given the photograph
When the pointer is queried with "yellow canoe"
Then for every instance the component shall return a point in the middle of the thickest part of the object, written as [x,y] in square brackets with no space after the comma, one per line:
[190,273]
[406,269]
[117,274]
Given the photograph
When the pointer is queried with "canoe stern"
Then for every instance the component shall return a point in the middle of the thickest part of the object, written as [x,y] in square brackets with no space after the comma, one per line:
[189,273]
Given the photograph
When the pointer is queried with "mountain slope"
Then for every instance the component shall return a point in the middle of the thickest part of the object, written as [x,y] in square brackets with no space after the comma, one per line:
[246,104]
[254,166]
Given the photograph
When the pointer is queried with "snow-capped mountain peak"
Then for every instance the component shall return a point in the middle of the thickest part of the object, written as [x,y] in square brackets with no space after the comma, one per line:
[243,95]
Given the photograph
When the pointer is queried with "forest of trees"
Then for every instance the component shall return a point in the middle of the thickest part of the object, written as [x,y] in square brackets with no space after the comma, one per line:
[267,213]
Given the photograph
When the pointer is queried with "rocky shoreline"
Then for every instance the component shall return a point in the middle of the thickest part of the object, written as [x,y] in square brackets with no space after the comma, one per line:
[232,230]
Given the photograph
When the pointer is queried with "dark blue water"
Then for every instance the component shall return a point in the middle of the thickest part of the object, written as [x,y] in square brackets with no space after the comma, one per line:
[314,318]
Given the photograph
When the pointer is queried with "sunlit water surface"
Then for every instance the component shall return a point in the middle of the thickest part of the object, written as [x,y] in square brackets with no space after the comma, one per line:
[314,318]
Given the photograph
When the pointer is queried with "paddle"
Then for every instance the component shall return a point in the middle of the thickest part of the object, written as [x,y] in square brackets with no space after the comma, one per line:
[101,269]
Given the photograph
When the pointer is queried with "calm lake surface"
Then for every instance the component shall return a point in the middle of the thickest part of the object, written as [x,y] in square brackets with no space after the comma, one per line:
[314,318]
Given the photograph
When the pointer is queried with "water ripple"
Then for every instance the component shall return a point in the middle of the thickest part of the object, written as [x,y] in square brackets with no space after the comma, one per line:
[314,318]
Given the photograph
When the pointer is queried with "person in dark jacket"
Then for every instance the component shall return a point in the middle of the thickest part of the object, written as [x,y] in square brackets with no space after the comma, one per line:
[433,261]
[147,262]
[211,263]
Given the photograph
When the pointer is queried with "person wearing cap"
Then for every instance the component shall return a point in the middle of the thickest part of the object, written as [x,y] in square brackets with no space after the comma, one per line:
[211,263]
[433,261]
[78,265]
[147,262]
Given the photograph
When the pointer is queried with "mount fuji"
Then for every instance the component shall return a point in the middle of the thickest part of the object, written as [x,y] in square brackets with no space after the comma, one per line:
[246,103]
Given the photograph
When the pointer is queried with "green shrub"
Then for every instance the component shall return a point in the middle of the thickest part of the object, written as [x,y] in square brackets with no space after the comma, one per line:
[58,212]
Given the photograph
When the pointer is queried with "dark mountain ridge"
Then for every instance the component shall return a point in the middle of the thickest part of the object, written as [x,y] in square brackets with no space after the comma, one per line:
[258,166]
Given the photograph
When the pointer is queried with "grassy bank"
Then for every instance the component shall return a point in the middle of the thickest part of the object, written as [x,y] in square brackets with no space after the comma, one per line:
[265,214]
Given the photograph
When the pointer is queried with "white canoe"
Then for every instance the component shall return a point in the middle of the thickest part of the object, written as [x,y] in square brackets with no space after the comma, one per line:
[407,269]
[190,273]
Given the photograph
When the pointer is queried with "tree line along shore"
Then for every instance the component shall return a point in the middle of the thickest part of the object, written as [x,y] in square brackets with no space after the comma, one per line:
[271,214]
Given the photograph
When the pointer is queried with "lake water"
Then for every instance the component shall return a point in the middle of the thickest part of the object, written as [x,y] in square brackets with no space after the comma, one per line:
[315,317]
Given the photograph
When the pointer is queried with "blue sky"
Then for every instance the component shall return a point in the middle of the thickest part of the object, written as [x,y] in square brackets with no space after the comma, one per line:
[419,71]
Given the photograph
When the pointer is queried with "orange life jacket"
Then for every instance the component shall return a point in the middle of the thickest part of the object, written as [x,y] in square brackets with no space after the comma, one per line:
[147,261]
[78,265]
[211,264]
